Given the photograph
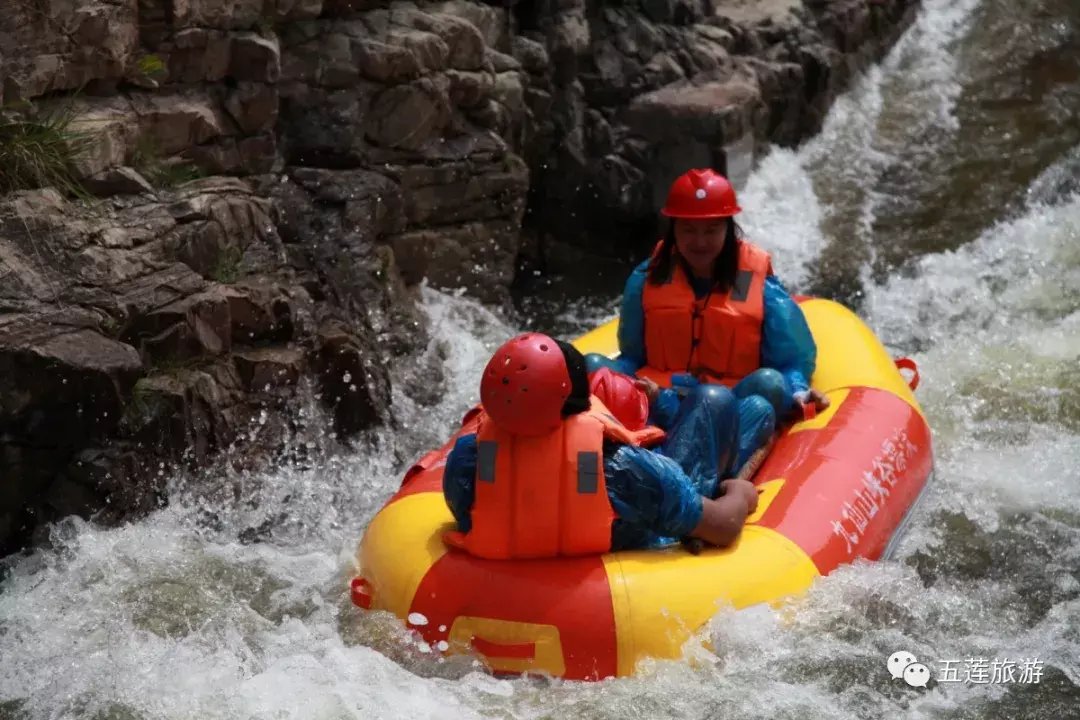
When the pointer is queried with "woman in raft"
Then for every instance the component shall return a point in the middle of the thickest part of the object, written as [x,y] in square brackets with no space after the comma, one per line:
[706,308]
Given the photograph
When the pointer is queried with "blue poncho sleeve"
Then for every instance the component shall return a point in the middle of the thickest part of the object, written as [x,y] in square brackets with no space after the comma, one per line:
[652,497]
[663,408]
[459,481]
[632,322]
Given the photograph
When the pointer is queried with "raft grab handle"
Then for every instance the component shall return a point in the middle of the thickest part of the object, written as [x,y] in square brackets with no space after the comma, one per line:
[361,593]
[906,363]
[516,651]
[511,646]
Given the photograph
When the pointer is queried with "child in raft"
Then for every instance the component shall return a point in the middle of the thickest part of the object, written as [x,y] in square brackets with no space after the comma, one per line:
[554,471]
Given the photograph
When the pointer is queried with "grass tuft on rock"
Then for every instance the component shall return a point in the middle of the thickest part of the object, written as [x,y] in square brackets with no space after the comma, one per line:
[163,172]
[39,151]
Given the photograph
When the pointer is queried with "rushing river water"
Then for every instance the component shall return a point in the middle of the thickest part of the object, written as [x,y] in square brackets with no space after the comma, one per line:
[942,200]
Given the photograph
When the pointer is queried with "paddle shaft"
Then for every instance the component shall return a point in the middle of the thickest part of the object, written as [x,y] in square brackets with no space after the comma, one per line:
[695,545]
[754,463]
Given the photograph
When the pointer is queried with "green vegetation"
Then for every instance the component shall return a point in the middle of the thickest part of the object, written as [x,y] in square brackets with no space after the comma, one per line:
[153,67]
[110,327]
[160,171]
[39,150]
[227,266]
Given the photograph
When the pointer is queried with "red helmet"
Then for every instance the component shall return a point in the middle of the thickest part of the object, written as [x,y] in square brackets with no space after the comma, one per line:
[525,385]
[701,194]
[626,401]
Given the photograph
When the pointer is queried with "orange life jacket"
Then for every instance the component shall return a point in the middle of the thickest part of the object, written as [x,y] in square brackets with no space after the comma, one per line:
[545,496]
[716,338]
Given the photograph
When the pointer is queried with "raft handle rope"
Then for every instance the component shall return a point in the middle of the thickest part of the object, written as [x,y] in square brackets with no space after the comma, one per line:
[906,363]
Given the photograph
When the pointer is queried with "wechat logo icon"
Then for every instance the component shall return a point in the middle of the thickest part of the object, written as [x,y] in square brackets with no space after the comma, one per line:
[904,665]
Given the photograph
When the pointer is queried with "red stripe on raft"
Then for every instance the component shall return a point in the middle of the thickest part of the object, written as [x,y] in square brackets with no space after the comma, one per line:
[848,484]
[570,593]
[425,475]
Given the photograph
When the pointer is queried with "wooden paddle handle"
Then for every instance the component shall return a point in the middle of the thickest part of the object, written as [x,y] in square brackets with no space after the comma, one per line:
[754,463]
[694,546]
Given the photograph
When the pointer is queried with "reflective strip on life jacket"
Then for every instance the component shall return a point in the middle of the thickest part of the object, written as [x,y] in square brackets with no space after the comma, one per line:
[545,496]
[716,338]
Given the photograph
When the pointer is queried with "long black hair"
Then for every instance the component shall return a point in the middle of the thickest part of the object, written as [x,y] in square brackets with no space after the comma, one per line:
[725,267]
[579,400]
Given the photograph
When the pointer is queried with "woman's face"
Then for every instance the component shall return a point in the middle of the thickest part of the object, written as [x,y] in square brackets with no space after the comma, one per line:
[699,242]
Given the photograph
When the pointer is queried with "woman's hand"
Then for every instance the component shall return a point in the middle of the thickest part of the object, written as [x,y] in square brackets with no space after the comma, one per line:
[819,399]
[647,386]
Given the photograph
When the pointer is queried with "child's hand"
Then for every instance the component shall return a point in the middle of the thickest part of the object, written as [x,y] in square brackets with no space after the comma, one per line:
[744,489]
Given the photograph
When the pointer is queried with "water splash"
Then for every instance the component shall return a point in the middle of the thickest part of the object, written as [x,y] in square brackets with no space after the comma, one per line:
[233,605]
[784,215]
[816,209]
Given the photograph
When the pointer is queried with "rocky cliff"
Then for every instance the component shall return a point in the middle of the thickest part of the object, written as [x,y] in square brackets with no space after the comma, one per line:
[250,190]
[636,92]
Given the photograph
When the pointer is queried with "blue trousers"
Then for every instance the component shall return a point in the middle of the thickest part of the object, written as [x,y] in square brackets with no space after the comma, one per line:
[703,439]
[763,399]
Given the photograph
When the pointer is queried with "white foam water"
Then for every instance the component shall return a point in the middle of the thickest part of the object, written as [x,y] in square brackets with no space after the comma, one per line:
[799,202]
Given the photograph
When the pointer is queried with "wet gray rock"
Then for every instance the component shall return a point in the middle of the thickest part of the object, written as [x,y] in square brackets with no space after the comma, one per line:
[408,116]
[153,330]
[51,46]
[352,377]
[118,181]
[255,58]
[63,380]
[264,368]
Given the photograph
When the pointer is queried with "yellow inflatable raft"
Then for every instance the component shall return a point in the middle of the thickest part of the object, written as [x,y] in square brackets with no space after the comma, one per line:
[835,488]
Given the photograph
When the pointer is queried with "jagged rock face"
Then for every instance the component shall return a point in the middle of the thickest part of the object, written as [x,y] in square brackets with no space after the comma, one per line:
[345,150]
[156,329]
[413,95]
[641,91]
[250,87]
[55,45]
[156,325]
